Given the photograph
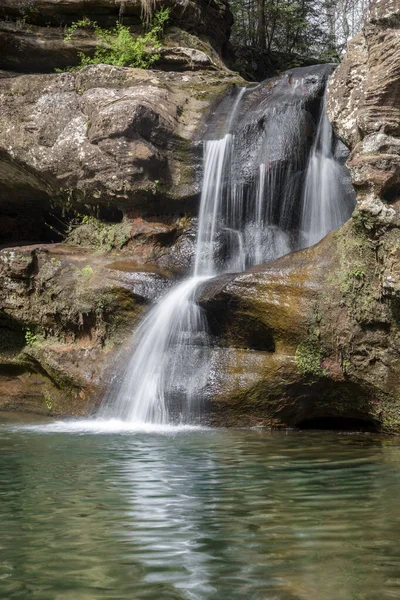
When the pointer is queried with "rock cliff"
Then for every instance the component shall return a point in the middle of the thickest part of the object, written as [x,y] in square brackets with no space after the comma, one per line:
[32,33]
[116,140]
[323,330]
[106,160]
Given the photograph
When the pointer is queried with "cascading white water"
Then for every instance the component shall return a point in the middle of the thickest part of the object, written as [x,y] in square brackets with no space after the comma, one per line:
[216,153]
[246,217]
[259,221]
[324,203]
[169,346]
[160,351]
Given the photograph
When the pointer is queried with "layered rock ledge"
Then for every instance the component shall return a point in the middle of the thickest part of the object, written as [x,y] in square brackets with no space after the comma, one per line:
[32,34]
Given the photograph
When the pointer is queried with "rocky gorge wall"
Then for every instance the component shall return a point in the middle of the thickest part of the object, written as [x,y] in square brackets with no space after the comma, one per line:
[330,313]
[106,160]
[32,32]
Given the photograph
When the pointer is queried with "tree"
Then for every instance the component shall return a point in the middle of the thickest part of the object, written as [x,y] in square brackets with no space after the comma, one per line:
[261,24]
[318,29]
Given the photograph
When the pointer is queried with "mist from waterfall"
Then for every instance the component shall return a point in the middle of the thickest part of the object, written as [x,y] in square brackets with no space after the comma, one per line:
[266,191]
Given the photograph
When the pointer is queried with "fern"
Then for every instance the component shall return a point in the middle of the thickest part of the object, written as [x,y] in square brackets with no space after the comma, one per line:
[119,47]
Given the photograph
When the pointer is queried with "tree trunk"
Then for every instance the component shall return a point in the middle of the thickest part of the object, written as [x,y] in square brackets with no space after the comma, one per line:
[261,24]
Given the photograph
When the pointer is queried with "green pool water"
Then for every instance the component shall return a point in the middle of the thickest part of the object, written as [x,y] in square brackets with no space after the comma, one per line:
[90,514]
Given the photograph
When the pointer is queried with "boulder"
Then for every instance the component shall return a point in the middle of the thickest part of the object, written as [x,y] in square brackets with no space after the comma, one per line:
[106,139]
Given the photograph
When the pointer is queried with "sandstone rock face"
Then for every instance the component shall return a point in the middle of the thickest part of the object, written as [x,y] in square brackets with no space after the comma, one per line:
[321,337]
[323,328]
[106,159]
[364,103]
[109,138]
[64,313]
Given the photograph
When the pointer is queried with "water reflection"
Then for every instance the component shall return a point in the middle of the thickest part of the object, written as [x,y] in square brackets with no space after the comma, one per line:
[201,515]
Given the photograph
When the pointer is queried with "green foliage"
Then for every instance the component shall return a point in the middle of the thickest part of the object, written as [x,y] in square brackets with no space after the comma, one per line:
[30,336]
[89,232]
[156,184]
[84,23]
[306,29]
[119,47]
[48,399]
[308,358]
[86,272]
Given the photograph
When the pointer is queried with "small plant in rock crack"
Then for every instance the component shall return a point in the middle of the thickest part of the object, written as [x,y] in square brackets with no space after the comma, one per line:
[30,336]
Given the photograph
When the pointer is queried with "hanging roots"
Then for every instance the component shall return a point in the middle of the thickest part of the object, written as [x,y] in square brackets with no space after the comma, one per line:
[148,7]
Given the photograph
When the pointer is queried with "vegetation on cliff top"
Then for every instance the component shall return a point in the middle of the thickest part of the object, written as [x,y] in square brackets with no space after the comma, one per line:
[118,47]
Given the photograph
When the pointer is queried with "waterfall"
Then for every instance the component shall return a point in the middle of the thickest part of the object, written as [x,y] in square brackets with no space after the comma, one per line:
[160,357]
[168,367]
[260,200]
[216,155]
[324,202]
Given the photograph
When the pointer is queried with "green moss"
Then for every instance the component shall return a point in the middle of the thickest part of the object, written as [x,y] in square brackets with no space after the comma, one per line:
[362,222]
[94,233]
[308,358]
[352,281]
[358,275]
[48,399]
[117,310]
[86,272]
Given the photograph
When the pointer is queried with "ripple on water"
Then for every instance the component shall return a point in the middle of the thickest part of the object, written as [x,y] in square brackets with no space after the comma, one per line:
[196,515]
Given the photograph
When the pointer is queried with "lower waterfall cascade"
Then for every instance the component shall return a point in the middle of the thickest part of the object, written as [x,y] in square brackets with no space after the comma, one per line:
[272,183]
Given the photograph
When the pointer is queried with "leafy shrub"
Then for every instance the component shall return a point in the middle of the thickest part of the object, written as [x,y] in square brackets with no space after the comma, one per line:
[119,47]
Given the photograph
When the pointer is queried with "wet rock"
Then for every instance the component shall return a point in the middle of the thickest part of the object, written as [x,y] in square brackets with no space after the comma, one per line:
[328,316]
[280,117]
[64,313]
[319,341]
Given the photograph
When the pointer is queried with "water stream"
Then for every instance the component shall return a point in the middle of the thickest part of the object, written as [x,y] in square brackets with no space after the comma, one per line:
[262,197]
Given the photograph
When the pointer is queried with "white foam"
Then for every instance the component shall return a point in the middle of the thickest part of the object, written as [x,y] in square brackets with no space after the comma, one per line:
[100,426]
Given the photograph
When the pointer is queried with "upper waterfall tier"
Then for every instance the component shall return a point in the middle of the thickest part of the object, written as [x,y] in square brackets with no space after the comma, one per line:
[281,182]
